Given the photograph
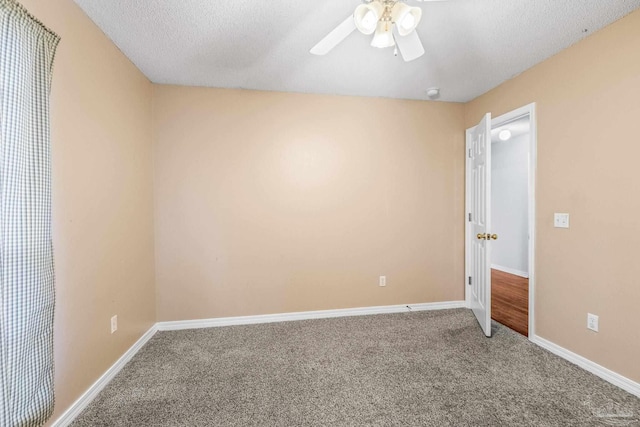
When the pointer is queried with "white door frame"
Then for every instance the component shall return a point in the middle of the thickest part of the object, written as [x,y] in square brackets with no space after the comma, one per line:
[529,110]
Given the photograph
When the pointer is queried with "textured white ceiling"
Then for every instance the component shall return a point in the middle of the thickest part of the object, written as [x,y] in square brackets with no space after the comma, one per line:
[471,45]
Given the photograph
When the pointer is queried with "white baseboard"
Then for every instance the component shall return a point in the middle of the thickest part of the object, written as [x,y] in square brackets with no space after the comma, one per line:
[83,401]
[586,364]
[510,270]
[305,315]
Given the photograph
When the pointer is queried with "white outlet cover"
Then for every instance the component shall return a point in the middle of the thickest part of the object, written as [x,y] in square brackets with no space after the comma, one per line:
[561,220]
[592,322]
[383,281]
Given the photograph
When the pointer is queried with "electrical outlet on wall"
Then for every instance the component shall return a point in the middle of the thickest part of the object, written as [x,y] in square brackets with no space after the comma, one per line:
[592,322]
[114,323]
[383,281]
[561,220]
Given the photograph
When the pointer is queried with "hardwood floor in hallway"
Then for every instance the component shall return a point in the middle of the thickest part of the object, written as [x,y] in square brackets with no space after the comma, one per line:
[510,301]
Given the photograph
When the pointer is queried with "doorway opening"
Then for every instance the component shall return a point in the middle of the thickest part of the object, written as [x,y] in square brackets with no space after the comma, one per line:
[510,140]
[500,223]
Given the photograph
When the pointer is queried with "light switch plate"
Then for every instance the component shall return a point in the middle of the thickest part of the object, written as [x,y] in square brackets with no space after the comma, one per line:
[561,220]
[114,323]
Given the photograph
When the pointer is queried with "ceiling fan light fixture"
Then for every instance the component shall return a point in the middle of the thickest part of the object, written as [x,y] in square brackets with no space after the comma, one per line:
[406,17]
[366,17]
[383,36]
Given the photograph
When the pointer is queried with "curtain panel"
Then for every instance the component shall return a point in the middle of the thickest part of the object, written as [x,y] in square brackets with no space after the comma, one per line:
[27,49]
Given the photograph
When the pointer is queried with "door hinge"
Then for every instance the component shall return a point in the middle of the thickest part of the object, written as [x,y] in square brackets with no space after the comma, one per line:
[469,216]
[469,152]
[469,279]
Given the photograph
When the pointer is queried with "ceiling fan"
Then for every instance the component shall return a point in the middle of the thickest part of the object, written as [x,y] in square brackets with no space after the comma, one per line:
[392,22]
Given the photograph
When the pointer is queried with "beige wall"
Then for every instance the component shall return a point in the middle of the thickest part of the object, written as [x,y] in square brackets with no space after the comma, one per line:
[273,202]
[588,99]
[102,201]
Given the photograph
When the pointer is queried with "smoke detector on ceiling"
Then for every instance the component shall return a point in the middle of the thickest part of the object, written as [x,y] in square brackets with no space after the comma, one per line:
[433,93]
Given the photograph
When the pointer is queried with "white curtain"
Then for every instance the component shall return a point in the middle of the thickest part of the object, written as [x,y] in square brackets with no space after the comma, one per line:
[27,49]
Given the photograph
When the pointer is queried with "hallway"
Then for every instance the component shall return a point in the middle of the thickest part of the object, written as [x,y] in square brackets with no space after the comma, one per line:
[510,301]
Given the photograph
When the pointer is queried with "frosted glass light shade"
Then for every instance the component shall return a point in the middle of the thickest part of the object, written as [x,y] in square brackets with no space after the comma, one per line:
[366,17]
[504,135]
[383,36]
[406,17]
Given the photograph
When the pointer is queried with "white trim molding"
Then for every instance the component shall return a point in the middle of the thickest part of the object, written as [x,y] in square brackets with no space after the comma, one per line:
[530,110]
[510,270]
[83,401]
[586,364]
[305,315]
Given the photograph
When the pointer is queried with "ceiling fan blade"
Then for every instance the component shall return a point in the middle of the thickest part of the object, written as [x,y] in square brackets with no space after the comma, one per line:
[332,39]
[410,45]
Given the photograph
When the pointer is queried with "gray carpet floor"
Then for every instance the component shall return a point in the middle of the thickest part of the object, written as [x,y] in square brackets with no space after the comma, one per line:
[425,368]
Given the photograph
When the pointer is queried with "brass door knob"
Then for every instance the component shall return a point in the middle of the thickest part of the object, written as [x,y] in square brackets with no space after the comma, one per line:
[493,236]
[481,236]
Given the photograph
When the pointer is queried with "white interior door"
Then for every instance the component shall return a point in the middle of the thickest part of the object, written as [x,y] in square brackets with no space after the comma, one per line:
[478,237]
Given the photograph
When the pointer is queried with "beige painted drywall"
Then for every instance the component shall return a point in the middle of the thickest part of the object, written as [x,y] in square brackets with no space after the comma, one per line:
[588,101]
[102,200]
[272,202]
